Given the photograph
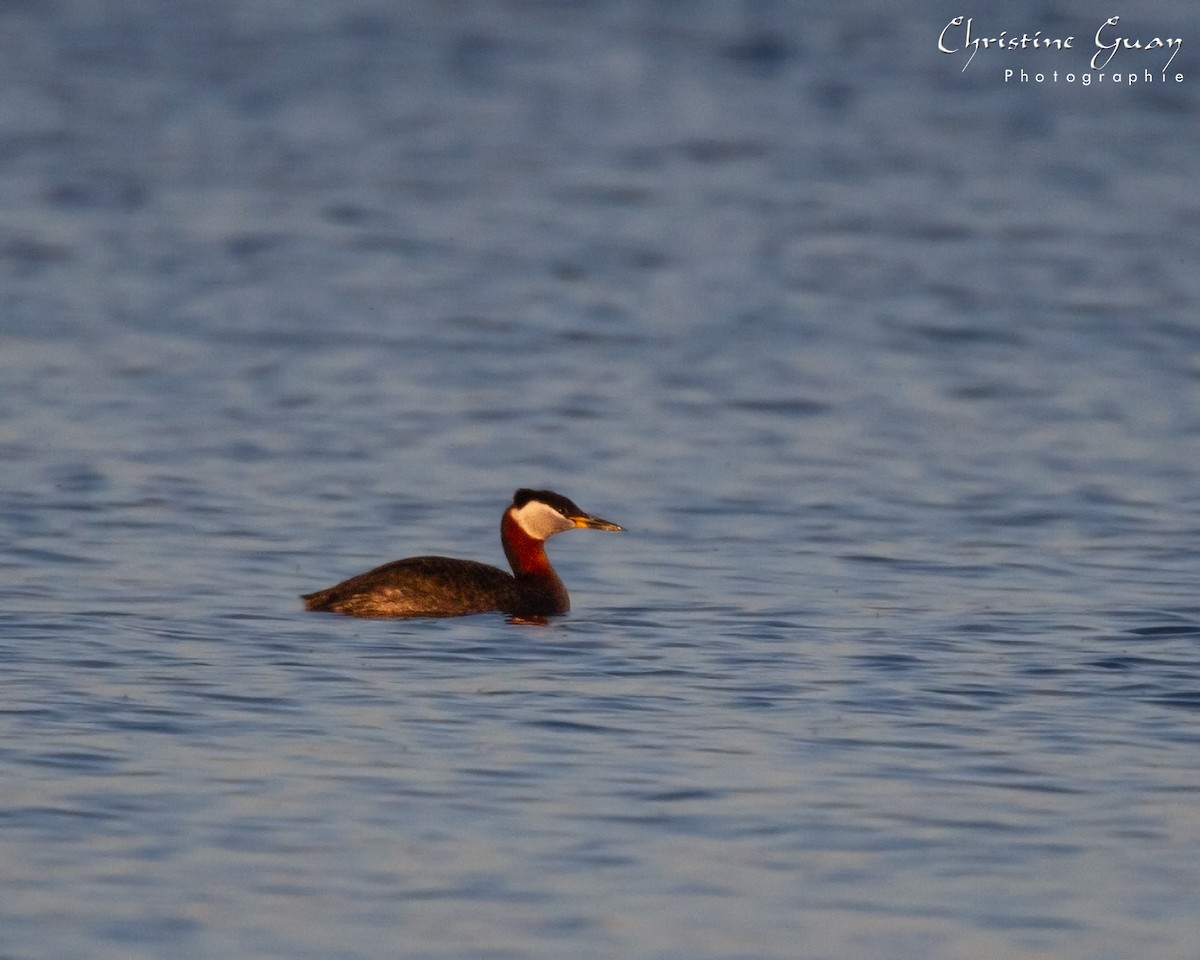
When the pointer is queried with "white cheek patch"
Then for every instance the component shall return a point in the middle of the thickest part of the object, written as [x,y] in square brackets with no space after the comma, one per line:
[540,521]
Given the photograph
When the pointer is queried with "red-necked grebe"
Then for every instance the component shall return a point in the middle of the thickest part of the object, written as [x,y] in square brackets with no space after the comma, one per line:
[445,587]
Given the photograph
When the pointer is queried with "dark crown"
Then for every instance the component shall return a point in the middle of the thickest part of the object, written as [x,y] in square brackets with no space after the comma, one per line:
[549,498]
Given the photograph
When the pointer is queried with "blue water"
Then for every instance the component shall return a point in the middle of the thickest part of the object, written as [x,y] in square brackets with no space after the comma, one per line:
[890,371]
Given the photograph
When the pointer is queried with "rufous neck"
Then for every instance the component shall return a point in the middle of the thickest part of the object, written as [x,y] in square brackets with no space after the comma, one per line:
[526,554]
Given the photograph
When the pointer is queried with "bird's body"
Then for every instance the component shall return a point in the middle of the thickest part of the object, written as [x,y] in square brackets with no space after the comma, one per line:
[448,587]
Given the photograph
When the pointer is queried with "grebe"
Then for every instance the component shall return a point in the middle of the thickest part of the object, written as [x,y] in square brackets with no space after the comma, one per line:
[445,587]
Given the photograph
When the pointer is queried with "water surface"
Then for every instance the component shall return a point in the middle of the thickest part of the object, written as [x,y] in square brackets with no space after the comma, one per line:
[888,370]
